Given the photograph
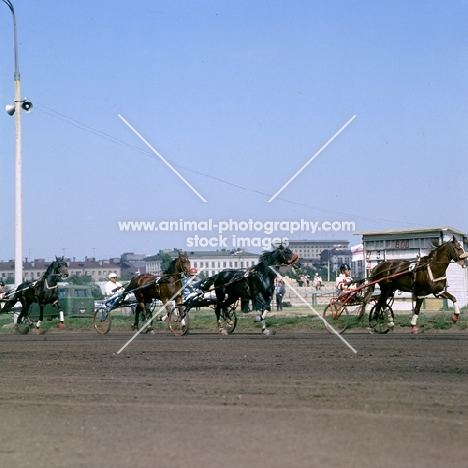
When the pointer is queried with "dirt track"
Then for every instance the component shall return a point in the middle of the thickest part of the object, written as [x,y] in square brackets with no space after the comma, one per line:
[290,400]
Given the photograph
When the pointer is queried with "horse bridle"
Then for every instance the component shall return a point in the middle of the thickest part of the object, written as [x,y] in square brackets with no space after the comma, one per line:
[456,250]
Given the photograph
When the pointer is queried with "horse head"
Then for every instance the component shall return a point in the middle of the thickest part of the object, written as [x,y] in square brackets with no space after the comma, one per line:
[285,255]
[182,263]
[61,267]
[458,253]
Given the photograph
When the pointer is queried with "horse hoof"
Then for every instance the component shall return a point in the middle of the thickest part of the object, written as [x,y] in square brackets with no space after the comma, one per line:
[61,325]
[455,318]
[415,329]
[223,332]
[134,327]
[269,332]
[38,331]
[150,330]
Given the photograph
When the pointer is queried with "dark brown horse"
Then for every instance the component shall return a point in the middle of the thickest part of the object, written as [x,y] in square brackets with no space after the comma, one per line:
[43,291]
[422,277]
[148,287]
[258,282]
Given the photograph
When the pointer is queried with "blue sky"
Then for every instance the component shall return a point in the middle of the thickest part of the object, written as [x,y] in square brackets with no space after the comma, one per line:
[236,96]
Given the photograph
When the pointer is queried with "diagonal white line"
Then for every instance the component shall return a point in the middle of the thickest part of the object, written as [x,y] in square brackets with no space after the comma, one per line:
[315,312]
[312,158]
[159,311]
[160,157]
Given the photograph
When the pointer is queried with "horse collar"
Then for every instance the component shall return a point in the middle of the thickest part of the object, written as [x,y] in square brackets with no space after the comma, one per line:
[50,287]
[431,275]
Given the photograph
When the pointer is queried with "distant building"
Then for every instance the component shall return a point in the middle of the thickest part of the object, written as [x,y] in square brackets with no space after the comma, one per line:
[34,269]
[212,262]
[97,270]
[310,251]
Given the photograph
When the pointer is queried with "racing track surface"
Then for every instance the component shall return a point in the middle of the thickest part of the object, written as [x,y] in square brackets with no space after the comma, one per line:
[246,400]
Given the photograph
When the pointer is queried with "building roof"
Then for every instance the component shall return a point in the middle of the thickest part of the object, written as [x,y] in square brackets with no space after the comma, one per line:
[411,231]
[203,254]
[328,241]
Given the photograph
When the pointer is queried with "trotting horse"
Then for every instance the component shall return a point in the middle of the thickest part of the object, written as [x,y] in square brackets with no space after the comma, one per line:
[257,282]
[422,277]
[148,287]
[43,291]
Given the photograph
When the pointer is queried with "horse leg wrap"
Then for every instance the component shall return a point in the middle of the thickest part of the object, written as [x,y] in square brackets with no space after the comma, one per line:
[456,313]
[38,324]
[414,320]
[221,328]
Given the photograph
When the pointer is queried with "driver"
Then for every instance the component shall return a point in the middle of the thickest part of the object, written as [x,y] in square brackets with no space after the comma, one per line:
[112,286]
[113,290]
[343,280]
[190,290]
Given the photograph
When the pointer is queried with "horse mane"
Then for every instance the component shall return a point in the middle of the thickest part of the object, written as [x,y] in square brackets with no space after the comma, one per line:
[437,246]
[170,270]
[267,259]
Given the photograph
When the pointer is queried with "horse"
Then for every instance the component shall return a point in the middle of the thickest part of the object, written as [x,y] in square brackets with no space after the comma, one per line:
[422,277]
[257,282]
[147,287]
[43,291]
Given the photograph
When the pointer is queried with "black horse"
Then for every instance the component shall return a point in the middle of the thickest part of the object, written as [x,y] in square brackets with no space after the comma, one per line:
[258,282]
[422,277]
[43,291]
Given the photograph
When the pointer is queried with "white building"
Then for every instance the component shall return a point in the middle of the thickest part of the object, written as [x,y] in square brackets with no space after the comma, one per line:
[212,262]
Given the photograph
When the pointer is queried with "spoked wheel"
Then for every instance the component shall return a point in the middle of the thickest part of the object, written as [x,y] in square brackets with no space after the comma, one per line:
[102,320]
[178,321]
[230,320]
[379,321]
[336,317]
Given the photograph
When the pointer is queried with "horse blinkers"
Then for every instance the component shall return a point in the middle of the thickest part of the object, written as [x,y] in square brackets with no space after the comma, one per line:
[459,252]
[62,267]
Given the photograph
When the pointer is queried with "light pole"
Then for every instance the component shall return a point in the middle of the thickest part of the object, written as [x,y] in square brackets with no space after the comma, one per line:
[16,109]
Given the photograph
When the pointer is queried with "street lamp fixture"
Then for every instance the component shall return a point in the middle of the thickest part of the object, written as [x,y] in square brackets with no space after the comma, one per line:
[25,105]
[15,110]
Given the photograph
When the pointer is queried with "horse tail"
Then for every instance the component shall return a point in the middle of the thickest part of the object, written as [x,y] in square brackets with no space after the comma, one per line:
[130,286]
[365,300]
[207,283]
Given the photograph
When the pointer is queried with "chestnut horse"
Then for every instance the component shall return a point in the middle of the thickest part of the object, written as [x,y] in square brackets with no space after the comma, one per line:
[148,287]
[422,277]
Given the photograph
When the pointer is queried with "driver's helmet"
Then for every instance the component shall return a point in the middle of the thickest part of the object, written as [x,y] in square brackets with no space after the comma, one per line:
[344,266]
[193,271]
[2,283]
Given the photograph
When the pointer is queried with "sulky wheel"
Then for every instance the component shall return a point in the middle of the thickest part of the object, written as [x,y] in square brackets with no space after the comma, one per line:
[178,321]
[102,320]
[336,318]
[379,321]
[230,320]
